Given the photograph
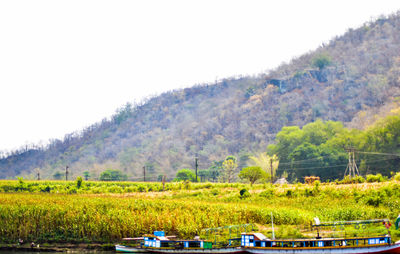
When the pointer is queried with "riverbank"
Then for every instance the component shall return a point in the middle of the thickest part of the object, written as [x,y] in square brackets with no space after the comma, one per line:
[59,247]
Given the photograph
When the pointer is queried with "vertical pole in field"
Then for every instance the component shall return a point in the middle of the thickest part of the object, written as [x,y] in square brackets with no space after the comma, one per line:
[66,173]
[144,173]
[163,183]
[273,231]
[196,164]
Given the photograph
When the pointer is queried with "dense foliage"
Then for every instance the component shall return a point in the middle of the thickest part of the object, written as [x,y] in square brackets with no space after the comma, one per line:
[113,175]
[185,175]
[252,174]
[319,149]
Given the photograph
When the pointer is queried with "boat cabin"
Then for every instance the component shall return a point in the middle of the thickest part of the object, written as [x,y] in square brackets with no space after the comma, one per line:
[156,239]
[159,240]
[259,240]
[250,239]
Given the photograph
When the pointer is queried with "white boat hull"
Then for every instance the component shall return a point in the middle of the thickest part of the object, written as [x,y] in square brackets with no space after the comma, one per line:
[127,249]
[395,248]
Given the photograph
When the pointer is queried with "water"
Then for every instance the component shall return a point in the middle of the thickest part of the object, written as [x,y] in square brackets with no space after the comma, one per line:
[53,252]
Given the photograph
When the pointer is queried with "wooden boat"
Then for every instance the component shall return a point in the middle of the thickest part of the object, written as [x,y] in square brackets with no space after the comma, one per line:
[257,243]
[159,243]
[128,249]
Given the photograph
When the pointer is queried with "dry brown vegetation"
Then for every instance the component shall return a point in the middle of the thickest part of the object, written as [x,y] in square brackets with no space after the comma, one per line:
[236,116]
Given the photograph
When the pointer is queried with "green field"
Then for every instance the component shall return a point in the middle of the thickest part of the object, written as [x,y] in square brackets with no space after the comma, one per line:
[59,211]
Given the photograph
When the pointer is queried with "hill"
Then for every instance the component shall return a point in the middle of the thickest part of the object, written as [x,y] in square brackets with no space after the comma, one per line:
[353,79]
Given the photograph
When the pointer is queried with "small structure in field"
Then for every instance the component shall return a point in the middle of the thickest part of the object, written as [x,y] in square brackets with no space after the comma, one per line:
[281,181]
[311,179]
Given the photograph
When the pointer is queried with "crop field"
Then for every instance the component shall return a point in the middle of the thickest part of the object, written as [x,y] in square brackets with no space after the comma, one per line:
[85,212]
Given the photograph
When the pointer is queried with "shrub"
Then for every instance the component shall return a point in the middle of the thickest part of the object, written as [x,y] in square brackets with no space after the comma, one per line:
[214,191]
[115,189]
[185,175]
[317,183]
[186,184]
[79,181]
[113,175]
[244,193]
[72,191]
[397,176]
[45,189]
[321,61]
[376,178]
[268,193]
[141,188]
[356,179]
[375,199]
[289,193]
[308,192]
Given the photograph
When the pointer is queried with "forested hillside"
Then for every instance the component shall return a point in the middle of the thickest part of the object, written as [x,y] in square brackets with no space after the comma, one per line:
[353,79]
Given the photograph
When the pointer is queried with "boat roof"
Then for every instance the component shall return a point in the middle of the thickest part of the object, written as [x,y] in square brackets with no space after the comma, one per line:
[162,238]
[261,237]
[258,236]
[132,239]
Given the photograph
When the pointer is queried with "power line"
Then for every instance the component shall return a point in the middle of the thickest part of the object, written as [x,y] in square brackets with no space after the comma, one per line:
[312,159]
[333,166]
[317,158]
[389,154]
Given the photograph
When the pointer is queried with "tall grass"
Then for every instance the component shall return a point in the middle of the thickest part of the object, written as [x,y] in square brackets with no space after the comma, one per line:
[52,212]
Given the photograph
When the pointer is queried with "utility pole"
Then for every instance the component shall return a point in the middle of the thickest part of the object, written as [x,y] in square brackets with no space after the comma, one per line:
[144,173]
[163,182]
[351,169]
[196,164]
[38,175]
[66,173]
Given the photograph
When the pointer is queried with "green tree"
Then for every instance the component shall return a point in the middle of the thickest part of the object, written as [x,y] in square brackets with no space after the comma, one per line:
[316,149]
[113,175]
[306,160]
[252,174]
[321,61]
[185,175]
[58,175]
[229,166]
[286,141]
[215,170]
[265,162]
[383,137]
[86,174]
[203,174]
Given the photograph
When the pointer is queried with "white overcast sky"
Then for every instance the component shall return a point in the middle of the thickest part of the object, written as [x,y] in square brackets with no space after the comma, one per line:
[65,65]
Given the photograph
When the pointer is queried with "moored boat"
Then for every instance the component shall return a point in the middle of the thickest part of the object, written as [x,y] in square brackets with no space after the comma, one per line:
[159,243]
[257,243]
[128,249]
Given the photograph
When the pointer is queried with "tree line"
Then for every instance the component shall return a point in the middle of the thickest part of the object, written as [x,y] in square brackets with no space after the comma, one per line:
[318,149]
